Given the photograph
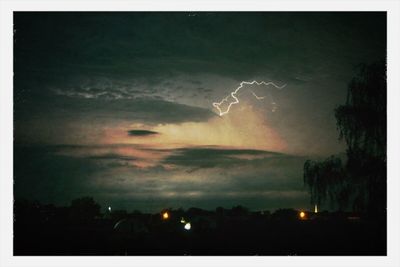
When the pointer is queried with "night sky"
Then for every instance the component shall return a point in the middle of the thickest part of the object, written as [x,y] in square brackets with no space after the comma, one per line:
[119,106]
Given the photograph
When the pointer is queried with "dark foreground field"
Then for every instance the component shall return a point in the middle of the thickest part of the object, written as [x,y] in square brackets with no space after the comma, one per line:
[225,232]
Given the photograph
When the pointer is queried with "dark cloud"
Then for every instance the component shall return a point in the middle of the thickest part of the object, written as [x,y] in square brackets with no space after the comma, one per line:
[111,156]
[211,157]
[47,121]
[148,110]
[141,132]
[144,43]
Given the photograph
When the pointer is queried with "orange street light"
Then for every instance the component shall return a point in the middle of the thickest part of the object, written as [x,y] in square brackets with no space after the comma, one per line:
[165,216]
[302,215]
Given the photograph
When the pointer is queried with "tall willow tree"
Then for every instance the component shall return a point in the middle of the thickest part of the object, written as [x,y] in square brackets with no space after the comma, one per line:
[359,183]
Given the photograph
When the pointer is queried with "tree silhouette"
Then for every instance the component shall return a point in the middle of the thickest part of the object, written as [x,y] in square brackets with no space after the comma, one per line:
[326,181]
[361,121]
[84,209]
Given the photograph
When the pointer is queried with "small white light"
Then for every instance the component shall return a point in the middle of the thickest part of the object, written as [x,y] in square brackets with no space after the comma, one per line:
[109,209]
[183,220]
[188,226]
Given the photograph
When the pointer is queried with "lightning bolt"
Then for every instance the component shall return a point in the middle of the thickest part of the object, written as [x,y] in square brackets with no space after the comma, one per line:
[236,100]
[273,103]
[257,97]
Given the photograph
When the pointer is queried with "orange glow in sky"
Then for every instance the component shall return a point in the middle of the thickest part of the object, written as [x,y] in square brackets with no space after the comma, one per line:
[242,128]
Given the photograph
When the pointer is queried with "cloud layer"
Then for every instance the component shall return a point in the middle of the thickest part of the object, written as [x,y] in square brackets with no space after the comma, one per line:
[178,178]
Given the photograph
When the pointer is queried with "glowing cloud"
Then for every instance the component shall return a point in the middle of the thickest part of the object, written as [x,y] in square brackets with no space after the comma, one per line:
[236,100]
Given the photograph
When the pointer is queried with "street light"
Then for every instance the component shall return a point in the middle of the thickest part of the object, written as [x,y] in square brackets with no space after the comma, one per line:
[165,216]
[188,226]
[302,215]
